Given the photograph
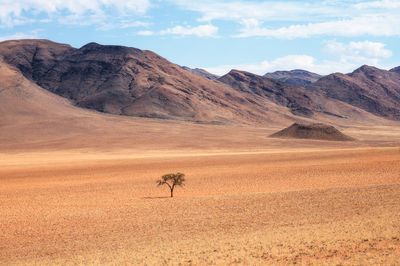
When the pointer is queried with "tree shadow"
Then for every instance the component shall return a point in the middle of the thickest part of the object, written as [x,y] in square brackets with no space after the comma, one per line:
[165,197]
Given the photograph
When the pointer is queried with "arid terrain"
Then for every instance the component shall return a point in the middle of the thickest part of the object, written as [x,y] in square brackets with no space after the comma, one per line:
[308,205]
[78,186]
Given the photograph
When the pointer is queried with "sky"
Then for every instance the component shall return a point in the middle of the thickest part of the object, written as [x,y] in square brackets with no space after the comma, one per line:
[218,35]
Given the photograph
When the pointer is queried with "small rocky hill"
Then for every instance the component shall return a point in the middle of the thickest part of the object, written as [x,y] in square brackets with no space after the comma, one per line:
[316,131]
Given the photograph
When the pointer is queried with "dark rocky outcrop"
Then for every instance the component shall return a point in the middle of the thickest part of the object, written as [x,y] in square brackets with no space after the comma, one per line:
[278,92]
[316,131]
[297,77]
[374,90]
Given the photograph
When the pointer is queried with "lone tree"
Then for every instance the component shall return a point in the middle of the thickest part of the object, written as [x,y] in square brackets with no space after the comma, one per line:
[172,180]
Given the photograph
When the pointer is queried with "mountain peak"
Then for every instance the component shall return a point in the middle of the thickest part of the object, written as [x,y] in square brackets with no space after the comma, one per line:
[366,68]
[91,45]
[275,91]
[236,71]
[201,72]
[395,69]
[108,49]
[296,77]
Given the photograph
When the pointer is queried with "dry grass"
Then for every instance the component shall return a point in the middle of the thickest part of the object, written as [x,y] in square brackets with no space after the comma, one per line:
[302,206]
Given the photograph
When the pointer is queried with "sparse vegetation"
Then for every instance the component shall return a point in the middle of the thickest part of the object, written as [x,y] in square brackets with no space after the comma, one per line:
[306,206]
[172,180]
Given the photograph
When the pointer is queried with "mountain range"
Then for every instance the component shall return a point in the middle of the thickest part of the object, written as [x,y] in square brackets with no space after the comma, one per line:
[374,90]
[131,82]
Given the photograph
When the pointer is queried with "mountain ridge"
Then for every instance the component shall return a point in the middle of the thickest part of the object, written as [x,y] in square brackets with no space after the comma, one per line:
[369,88]
[201,72]
[128,81]
[295,77]
[276,91]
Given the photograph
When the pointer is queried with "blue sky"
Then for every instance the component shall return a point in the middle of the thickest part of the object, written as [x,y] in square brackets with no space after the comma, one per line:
[257,36]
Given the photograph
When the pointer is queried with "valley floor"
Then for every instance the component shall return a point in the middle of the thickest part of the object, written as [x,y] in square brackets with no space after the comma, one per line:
[308,206]
[79,186]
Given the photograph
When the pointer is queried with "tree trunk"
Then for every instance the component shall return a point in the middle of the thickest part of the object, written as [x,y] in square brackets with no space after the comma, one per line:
[172,192]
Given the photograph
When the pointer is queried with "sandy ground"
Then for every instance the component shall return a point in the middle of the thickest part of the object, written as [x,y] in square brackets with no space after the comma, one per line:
[78,187]
[307,205]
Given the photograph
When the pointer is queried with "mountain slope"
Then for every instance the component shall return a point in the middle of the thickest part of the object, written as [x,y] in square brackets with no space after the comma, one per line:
[297,77]
[201,72]
[33,119]
[371,89]
[128,81]
[268,89]
[396,69]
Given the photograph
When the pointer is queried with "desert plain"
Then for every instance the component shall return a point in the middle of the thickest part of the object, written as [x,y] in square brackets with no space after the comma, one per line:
[248,199]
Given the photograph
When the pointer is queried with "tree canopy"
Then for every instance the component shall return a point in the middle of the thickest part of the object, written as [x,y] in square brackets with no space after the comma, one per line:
[172,180]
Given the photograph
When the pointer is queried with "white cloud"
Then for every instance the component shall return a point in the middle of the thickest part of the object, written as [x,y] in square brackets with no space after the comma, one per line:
[133,24]
[347,58]
[374,26]
[358,53]
[199,31]
[103,24]
[289,62]
[145,33]
[264,10]
[12,12]
[306,18]
[282,63]
[378,4]
[18,36]
[286,62]
[365,49]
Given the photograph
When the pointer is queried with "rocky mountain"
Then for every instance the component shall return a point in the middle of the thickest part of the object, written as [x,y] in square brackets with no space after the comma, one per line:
[201,72]
[278,92]
[297,77]
[128,81]
[374,90]
[396,69]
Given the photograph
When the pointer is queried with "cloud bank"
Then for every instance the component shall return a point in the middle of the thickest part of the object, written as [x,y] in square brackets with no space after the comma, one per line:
[349,56]
[303,19]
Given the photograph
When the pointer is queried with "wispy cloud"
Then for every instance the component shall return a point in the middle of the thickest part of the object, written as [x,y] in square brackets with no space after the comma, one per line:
[265,10]
[145,33]
[14,13]
[133,24]
[122,24]
[372,25]
[303,18]
[378,4]
[199,31]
